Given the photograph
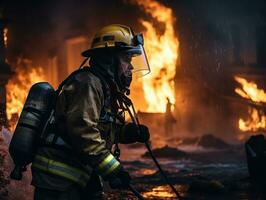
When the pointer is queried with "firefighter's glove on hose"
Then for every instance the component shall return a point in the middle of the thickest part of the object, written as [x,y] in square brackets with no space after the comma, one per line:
[120,180]
[144,135]
[130,133]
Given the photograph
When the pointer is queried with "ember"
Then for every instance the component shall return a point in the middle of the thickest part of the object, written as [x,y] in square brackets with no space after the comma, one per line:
[5,36]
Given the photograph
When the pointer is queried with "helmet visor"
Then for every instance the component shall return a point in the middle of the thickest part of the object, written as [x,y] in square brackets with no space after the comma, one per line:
[139,61]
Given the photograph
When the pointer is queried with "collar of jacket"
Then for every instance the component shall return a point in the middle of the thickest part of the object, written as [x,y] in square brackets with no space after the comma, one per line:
[110,111]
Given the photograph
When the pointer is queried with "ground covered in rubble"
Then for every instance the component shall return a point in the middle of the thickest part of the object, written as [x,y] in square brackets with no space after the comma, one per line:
[197,172]
[200,174]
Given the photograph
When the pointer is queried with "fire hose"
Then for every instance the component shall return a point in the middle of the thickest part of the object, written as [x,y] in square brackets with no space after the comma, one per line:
[135,192]
[127,102]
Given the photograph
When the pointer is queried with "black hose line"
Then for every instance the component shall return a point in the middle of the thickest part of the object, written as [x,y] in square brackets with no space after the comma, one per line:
[161,171]
[154,158]
[126,103]
[136,193]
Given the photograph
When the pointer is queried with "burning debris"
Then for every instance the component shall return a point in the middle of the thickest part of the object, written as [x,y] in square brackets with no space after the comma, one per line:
[257,119]
[255,122]
[250,90]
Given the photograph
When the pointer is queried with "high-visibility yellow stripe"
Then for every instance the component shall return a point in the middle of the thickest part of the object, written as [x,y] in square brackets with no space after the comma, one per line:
[60,164]
[59,173]
[105,161]
[111,169]
[108,165]
[60,169]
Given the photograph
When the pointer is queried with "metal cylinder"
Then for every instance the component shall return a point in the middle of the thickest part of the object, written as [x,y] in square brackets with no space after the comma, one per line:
[26,137]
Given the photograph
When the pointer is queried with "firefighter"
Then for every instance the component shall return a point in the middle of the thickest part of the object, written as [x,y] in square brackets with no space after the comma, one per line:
[81,144]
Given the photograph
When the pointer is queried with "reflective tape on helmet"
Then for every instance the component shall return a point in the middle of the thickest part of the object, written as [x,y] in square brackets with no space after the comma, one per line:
[60,169]
[108,165]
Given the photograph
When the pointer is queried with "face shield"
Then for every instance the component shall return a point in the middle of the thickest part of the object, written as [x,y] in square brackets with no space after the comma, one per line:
[139,60]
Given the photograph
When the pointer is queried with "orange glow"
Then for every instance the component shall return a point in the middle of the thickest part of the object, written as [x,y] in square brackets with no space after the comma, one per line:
[162,52]
[18,86]
[145,172]
[256,120]
[159,191]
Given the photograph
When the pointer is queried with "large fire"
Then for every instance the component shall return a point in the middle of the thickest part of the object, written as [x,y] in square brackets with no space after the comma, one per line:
[257,119]
[19,85]
[162,51]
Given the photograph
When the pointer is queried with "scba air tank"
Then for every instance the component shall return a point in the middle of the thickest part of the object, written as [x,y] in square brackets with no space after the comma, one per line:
[26,137]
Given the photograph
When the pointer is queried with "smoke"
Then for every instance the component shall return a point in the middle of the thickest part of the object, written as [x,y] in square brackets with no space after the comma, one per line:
[39,29]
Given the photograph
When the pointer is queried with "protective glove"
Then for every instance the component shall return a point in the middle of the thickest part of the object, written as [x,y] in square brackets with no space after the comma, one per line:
[120,180]
[144,134]
[130,134]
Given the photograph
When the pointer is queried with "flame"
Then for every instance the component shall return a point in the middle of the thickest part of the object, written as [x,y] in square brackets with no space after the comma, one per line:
[250,90]
[162,52]
[19,85]
[256,120]
[5,36]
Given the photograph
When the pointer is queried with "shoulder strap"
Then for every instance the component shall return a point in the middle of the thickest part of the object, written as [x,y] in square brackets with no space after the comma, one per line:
[61,85]
[49,121]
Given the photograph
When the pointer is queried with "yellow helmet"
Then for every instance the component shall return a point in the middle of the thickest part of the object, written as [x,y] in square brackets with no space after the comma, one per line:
[111,36]
[122,38]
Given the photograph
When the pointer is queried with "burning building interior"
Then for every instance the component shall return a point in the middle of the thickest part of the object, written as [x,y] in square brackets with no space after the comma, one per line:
[203,99]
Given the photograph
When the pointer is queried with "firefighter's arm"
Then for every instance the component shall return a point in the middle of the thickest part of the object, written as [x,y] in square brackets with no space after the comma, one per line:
[82,118]
[130,133]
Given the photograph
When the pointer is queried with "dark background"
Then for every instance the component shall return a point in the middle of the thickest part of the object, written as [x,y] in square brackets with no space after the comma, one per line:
[218,40]
[38,27]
